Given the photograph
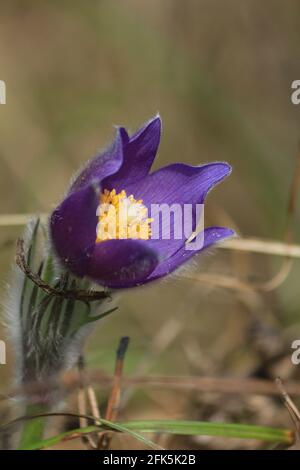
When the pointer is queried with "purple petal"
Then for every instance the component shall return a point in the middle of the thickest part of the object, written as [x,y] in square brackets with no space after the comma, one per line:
[212,235]
[73,228]
[177,184]
[103,165]
[139,153]
[121,263]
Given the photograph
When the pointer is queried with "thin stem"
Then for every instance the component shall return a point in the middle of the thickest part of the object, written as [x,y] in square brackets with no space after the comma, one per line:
[115,395]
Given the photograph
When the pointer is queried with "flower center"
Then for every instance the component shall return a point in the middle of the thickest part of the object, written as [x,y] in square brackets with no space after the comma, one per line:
[121,216]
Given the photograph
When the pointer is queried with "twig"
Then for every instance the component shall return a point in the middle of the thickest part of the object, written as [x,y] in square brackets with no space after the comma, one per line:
[82,410]
[10,220]
[85,296]
[290,405]
[228,385]
[266,247]
[114,399]
[93,402]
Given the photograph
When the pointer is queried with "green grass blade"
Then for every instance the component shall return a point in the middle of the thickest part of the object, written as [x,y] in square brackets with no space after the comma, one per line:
[51,441]
[242,431]
[199,428]
[33,429]
[105,426]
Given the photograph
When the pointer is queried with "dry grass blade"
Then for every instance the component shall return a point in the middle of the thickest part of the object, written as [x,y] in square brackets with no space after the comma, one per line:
[88,439]
[11,220]
[266,247]
[290,405]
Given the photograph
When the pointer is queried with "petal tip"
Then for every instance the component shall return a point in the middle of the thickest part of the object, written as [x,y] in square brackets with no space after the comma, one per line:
[225,168]
[155,124]
[218,234]
[228,168]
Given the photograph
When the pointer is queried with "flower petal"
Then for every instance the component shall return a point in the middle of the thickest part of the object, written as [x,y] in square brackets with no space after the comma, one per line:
[139,153]
[212,235]
[121,263]
[73,228]
[104,164]
[177,184]
[180,183]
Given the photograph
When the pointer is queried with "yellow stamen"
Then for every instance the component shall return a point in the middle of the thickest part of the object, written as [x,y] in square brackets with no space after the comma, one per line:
[121,216]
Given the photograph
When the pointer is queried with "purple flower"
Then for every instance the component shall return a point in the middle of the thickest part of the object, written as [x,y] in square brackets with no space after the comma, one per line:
[120,175]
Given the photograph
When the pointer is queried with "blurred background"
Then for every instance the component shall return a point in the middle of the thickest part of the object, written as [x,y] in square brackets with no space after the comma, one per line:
[220,75]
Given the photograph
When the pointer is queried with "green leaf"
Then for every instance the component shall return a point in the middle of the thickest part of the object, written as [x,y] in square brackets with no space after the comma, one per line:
[192,428]
[105,425]
[92,319]
[242,431]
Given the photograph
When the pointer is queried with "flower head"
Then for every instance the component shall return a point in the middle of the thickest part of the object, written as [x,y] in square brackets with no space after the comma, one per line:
[102,228]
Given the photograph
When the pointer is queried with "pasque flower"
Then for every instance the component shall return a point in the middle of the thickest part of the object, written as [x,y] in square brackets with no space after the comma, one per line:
[121,177]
